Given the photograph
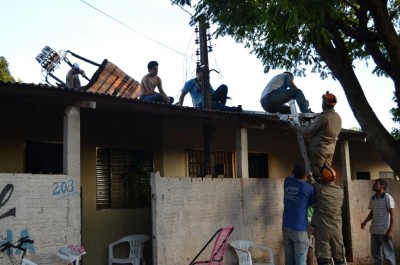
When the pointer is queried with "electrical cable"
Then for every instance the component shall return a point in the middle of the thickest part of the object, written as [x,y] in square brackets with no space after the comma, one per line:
[129,27]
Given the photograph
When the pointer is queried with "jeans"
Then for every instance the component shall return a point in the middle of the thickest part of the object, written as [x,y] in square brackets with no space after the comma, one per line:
[220,95]
[379,243]
[156,98]
[295,244]
[275,100]
[218,100]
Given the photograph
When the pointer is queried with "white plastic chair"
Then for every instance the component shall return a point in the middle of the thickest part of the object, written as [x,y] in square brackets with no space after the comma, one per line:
[242,250]
[71,254]
[136,244]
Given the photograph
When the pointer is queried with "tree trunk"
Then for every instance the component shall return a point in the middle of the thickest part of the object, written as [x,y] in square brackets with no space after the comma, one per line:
[337,59]
[390,39]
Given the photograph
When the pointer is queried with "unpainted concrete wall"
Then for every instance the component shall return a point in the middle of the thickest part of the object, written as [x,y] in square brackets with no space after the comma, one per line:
[360,193]
[44,207]
[187,212]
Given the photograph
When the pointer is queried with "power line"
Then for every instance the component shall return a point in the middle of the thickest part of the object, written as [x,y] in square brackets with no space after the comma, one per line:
[138,32]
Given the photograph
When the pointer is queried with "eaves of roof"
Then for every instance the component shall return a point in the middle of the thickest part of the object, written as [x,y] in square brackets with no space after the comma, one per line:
[46,94]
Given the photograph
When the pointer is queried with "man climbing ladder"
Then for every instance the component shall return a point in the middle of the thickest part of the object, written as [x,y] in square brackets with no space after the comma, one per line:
[324,132]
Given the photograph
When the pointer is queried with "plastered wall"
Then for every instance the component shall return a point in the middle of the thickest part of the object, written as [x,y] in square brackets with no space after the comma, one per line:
[44,207]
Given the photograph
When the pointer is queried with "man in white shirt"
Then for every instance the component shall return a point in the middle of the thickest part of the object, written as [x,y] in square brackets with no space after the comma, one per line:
[381,214]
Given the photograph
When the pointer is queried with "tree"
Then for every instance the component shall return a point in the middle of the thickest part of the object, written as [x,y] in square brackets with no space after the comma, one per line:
[396,118]
[5,74]
[329,35]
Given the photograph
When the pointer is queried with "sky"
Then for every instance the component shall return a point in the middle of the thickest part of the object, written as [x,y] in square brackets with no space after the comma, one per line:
[130,33]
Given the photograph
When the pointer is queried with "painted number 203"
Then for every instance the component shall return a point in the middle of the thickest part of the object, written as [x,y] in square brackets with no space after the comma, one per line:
[63,187]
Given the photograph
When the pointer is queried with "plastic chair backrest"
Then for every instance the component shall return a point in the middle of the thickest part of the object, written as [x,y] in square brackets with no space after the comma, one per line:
[242,250]
[136,243]
[217,254]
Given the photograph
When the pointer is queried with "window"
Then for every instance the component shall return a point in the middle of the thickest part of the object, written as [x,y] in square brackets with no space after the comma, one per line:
[123,178]
[222,163]
[386,175]
[258,166]
[43,158]
[363,175]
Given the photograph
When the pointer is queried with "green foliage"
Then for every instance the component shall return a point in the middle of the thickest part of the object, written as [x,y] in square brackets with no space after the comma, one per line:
[396,118]
[287,34]
[284,33]
[5,74]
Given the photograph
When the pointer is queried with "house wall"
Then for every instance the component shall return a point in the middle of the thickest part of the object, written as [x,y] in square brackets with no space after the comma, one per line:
[168,138]
[43,207]
[364,157]
[22,122]
[187,212]
[116,130]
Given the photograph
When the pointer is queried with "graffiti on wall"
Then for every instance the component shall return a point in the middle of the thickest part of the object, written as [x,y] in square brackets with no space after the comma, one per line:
[5,195]
[10,238]
[63,188]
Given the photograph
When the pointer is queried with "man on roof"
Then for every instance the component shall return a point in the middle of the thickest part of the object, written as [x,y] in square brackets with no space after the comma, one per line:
[279,91]
[72,79]
[218,97]
[150,82]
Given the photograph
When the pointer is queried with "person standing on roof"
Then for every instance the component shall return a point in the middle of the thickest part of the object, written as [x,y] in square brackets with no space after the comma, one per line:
[279,91]
[72,79]
[324,132]
[298,195]
[150,82]
[381,212]
[218,97]
[327,218]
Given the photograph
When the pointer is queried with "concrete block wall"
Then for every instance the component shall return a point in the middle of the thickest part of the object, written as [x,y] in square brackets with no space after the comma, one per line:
[43,207]
[360,193]
[187,212]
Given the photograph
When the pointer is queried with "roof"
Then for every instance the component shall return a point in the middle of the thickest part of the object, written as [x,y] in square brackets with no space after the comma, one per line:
[58,95]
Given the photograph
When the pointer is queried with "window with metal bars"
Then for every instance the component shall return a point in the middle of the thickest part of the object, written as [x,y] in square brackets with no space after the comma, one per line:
[222,163]
[123,178]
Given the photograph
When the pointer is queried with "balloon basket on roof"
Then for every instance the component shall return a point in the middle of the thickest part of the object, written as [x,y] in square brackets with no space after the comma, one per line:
[108,78]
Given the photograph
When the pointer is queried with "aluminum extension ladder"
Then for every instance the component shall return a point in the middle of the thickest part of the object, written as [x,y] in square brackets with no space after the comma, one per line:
[296,119]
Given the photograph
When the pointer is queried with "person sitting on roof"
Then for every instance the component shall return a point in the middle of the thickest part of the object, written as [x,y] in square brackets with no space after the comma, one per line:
[276,94]
[150,82]
[218,96]
[72,79]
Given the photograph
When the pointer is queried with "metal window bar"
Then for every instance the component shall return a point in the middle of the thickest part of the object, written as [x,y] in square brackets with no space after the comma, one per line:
[223,162]
[123,178]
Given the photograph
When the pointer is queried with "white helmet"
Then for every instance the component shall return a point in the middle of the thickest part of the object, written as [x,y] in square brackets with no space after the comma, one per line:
[76,66]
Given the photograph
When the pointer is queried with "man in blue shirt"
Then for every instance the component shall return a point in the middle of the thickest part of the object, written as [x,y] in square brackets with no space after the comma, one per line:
[218,97]
[298,195]
[279,91]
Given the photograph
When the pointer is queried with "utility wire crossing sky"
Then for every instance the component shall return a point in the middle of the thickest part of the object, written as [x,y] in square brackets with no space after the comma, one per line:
[130,33]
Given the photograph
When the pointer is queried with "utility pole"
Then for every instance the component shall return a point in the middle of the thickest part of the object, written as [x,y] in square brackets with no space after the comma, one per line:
[204,62]
[207,128]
